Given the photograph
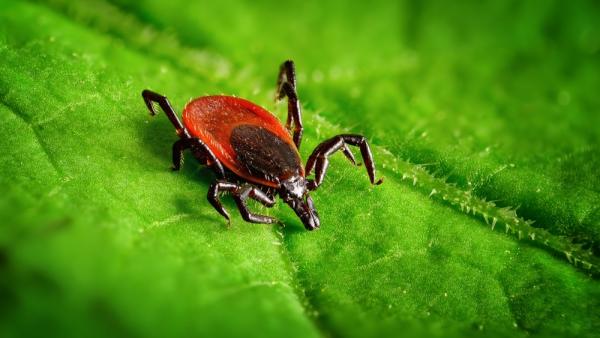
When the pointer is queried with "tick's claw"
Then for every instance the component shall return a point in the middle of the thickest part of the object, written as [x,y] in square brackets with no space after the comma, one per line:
[379,181]
[152,110]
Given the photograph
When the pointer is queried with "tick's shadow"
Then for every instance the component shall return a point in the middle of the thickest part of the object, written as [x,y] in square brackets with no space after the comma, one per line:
[293,226]
[157,135]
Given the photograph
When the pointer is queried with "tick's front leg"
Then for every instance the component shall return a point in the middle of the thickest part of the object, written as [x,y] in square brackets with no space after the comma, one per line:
[240,194]
[319,159]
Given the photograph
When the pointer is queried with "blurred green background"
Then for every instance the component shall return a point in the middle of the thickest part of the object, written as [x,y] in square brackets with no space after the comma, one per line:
[496,100]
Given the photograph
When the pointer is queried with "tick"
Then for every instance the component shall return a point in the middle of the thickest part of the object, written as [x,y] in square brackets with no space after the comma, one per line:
[252,154]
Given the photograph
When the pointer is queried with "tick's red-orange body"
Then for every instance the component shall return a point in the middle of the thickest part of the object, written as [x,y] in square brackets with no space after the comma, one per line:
[204,118]
[252,154]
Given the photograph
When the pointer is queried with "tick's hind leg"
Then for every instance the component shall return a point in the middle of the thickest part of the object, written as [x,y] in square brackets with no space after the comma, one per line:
[286,86]
[319,159]
[240,194]
[201,151]
[150,97]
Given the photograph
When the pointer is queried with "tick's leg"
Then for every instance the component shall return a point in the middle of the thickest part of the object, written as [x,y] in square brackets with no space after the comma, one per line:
[240,195]
[213,196]
[201,153]
[150,97]
[286,86]
[269,191]
[319,161]
[248,191]
[178,147]
[204,155]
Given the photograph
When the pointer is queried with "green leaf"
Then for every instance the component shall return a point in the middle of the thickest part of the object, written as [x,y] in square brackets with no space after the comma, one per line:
[482,120]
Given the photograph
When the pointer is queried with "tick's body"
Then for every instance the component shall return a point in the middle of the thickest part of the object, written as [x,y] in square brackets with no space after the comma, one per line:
[243,143]
[252,143]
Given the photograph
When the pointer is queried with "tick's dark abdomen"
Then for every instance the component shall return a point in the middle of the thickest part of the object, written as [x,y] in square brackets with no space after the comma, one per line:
[263,153]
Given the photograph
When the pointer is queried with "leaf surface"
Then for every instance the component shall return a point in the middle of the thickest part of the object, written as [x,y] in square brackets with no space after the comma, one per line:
[100,238]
